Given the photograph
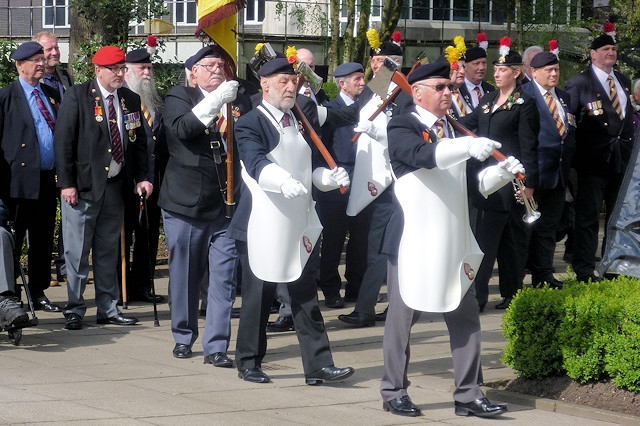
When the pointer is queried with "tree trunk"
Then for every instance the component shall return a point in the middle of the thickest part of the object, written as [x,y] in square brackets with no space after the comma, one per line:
[390,18]
[349,44]
[334,53]
[363,26]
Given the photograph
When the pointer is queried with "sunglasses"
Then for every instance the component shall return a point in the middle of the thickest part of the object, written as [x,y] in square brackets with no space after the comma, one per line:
[440,87]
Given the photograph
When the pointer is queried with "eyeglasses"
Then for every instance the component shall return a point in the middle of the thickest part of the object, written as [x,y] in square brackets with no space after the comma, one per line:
[440,87]
[37,60]
[212,67]
[117,70]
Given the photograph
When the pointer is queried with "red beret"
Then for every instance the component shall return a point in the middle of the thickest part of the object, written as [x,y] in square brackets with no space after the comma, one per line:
[108,55]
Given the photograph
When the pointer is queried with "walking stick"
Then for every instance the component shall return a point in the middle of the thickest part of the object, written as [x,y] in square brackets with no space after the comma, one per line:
[123,263]
[144,217]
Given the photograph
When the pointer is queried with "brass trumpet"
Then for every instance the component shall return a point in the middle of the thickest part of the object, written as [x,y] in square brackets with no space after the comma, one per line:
[530,205]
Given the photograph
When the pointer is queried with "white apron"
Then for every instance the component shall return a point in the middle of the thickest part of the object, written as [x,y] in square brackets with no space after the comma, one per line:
[438,255]
[372,168]
[282,233]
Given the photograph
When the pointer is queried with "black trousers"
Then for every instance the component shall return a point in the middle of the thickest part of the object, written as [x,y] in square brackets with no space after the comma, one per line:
[542,245]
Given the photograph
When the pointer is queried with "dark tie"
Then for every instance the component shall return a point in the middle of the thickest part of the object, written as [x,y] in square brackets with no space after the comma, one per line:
[44,110]
[613,95]
[553,109]
[116,141]
[286,122]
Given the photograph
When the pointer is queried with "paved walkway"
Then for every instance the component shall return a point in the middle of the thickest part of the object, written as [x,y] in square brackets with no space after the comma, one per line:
[104,375]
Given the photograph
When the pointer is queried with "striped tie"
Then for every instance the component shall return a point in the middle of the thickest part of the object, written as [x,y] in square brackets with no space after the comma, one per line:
[551,103]
[460,105]
[613,95]
[222,123]
[147,115]
[478,93]
[307,92]
[116,141]
[440,129]
[44,110]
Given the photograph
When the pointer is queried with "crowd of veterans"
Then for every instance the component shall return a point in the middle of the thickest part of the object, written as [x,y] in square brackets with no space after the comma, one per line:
[261,189]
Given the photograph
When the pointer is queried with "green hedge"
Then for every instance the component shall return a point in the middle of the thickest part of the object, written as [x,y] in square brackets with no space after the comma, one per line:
[588,332]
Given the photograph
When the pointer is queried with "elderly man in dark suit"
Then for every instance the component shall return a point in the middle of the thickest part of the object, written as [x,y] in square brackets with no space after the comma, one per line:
[474,87]
[600,101]
[101,151]
[276,228]
[193,198]
[556,144]
[435,274]
[27,121]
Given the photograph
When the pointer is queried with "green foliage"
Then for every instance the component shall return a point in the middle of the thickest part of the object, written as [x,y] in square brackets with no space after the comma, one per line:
[530,326]
[305,17]
[8,72]
[83,68]
[586,331]
[331,89]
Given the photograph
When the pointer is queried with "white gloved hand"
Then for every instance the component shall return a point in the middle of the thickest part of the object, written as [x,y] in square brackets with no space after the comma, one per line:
[482,148]
[327,180]
[225,93]
[366,126]
[512,165]
[291,188]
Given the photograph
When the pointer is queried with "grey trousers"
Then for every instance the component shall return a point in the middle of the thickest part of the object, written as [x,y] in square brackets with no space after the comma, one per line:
[464,334]
[7,279]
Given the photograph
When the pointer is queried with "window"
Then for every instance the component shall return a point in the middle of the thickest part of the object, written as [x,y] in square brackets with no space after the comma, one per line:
[254,12]
[186,12]
[56,13]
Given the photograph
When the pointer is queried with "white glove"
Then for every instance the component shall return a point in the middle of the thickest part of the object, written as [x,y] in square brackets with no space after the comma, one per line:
[208,108]
[512,165]
[327,180]
[322,115]
[366,126]
[292,188]
[482,148]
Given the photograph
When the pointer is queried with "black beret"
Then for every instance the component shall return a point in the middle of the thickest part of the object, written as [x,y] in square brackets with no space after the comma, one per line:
[602,40]
[543,59]
[27,50]
[206,52]
[475,53]
[348,68]
[513,58]
[189,63]
[138,56]
[277,65]
[438,69]
[387,48]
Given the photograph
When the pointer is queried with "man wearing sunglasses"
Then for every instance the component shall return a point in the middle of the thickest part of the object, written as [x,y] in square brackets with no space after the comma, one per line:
[431,250]
[100,151]
[27,120]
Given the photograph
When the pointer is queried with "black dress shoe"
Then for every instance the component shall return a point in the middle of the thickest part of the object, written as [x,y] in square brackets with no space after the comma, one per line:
[254,375]
[382,316]
[118,320]
[482,305]
[46,305]
[329,374]
[504,304]
[181,350]
[402,406]
[480,407]
[219,359]
[146,296]
[587,278]
[552,281]
[74,322]
[336,302]
[280,325]
[358,319]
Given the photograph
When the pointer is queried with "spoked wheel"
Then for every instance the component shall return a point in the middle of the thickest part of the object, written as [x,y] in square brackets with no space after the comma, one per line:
[15,336]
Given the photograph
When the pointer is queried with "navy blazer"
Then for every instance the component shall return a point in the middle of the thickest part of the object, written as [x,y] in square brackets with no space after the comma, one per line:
[554,152]
[603,141]
[337,139]
[516,128]
[190,186]
[20,167]
[83,144]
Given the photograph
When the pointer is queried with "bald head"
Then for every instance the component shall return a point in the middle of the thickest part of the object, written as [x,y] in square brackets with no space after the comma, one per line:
[528,54]
[306,56]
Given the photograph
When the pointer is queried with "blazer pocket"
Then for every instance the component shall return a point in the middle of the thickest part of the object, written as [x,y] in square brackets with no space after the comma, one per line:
[185,190]
[83,179]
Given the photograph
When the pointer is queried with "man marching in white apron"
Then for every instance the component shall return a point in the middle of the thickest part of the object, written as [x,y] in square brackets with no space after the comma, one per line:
[432,267]
[276,228]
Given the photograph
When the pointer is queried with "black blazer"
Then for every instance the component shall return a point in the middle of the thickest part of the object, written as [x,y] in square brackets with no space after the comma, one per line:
[516,128]
[191,186]
[554,152]
[82,143]
[603,141]
[466,96]
[20,159]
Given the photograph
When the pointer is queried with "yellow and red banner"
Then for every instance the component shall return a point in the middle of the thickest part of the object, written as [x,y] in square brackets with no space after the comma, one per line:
[217,19]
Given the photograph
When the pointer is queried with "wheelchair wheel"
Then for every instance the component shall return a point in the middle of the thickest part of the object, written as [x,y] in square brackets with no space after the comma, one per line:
[15,336]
